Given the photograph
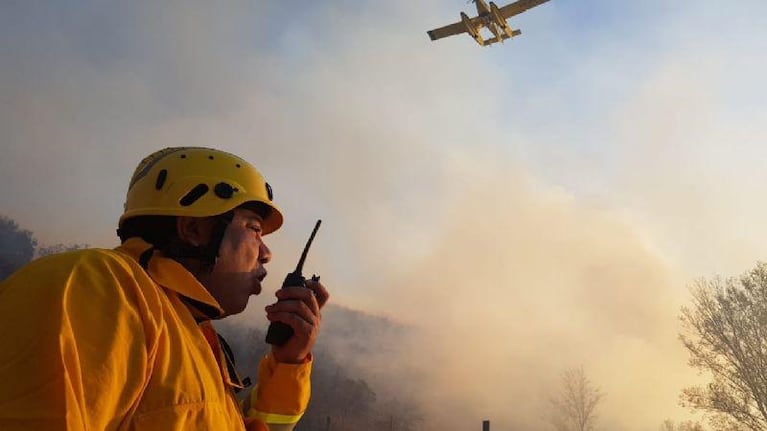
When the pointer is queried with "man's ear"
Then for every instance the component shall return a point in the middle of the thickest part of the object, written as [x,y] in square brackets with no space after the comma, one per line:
[194,230]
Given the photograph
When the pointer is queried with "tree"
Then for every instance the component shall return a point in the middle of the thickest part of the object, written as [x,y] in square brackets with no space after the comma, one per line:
[17,246]
[574,407]
[726,336]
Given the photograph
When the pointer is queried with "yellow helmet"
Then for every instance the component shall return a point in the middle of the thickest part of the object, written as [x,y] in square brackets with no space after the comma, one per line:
[197,182]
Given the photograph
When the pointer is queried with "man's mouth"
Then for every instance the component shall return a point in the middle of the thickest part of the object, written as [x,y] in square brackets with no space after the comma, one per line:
[261,276]
[259,279]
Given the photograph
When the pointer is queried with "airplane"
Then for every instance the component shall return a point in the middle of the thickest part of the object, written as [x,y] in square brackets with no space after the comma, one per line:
[492,17]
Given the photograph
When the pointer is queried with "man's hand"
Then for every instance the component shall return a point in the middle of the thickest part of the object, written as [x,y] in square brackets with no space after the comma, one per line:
[298,308]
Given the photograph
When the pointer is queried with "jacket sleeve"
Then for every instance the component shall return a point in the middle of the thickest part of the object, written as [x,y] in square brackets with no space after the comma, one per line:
[76,343]
[281,394]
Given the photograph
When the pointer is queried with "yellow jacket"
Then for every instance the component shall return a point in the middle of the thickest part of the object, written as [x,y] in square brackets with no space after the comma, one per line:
[89,340]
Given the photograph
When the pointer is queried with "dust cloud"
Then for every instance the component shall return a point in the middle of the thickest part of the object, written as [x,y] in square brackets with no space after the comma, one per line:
[522,283]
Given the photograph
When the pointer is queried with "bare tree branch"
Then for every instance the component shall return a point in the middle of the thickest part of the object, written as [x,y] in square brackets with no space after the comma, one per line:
[725,336]
[574,407]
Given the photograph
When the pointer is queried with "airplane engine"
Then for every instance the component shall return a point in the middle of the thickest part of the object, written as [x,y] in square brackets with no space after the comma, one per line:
[500,20]
[473,31]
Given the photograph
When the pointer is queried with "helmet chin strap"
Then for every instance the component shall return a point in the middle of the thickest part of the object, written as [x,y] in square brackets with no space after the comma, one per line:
[206,254]
[210,252]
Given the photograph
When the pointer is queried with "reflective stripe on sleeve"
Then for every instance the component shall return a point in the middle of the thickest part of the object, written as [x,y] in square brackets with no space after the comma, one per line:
[274,418]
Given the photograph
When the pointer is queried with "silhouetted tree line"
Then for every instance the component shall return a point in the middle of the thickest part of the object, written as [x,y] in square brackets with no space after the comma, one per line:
[18,246]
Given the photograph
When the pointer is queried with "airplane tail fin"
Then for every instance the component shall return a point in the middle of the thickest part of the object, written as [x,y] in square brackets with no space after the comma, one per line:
[493,40]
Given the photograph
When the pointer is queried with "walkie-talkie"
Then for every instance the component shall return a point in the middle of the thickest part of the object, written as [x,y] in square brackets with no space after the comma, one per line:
[279,333]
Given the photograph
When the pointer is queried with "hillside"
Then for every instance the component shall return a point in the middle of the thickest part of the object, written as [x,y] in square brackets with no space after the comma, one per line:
[356,373]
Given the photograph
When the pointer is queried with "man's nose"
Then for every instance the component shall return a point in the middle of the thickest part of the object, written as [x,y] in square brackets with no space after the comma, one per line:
[264,254]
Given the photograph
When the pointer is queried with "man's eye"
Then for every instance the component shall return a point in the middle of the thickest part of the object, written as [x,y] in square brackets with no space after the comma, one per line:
[256,229]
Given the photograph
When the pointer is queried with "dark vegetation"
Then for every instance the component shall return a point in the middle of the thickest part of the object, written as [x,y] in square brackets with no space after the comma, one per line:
[342,397]
[18,246]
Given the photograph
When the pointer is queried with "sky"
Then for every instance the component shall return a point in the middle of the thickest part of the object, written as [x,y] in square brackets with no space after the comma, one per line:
[530,207]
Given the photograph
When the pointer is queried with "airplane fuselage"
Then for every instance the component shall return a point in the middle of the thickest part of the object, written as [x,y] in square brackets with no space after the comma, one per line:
[490,17]
[482,7]
[483,13]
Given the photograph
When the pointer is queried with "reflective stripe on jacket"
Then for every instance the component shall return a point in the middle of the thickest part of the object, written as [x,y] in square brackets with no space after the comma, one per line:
[89,340]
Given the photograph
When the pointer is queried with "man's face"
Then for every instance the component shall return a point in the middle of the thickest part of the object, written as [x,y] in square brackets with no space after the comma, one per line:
[239,269]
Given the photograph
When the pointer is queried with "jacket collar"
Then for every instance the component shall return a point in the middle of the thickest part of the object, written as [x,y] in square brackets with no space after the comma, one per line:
[172,275]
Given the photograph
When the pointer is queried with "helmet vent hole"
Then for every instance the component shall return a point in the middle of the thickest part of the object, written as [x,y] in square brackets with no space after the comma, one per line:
[196,193]
[183,156]
[224,190]
[238,165]
[161,179]
[210,157]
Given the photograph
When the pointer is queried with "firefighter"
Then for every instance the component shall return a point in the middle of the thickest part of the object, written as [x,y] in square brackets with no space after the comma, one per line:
[122,339]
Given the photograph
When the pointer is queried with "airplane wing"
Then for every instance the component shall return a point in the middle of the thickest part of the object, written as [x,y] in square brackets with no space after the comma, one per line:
[448,30]
[519,6]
